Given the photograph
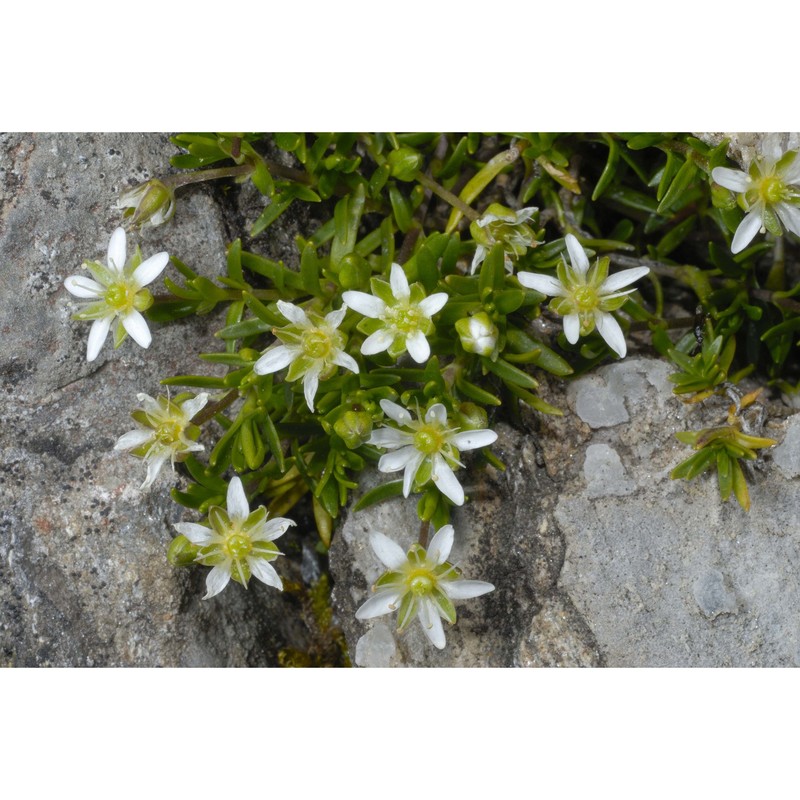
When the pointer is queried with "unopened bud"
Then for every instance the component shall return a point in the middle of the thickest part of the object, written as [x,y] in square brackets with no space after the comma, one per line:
[471,417]
[182,553]
[404,163]
[151,203]
[354,427]
[478,334]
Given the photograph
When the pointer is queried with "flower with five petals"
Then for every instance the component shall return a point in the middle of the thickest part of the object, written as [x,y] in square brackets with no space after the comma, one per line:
[238,544]
[118,293]
[585,296]
[399,316]
[421,583]
[427,449]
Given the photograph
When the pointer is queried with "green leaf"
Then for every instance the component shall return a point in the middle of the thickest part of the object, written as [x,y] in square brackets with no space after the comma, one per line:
[347,218]
[383,492]
[278,205]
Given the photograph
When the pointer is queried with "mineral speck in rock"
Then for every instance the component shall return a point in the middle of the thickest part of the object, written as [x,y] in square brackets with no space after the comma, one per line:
[604,472]
[597,404]
[376,648]
[786,456]
[712,596]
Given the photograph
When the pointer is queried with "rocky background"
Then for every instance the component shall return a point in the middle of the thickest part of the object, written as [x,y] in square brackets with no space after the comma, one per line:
[598,558]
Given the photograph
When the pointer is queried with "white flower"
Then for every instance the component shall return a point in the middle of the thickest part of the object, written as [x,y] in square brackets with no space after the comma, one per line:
[427,449]
[421,583]
[164,430]
[238,544]
[768,193]
[150,203]
[313,350]
[478,334]
[501,224]
[118,294]
[403,315]
[586,295]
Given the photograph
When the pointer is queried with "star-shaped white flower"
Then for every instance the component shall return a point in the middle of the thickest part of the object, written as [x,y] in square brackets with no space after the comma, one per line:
[313,349]
[420,584]
[501,224]
[769,193]
[585,296]
[118,293]
[427,450]
[238,544]
[164,431]
[402,315]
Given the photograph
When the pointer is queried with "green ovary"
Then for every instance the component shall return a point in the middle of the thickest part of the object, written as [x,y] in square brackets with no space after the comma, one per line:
[772,189]
[120,296]
[585,299]
[169,432]
[420,582]
[428,440]
[316,343]
[238,546]
[405,319]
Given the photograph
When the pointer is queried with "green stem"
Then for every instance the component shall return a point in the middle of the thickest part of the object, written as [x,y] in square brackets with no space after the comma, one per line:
[447,196]
[208,412]
[201,175]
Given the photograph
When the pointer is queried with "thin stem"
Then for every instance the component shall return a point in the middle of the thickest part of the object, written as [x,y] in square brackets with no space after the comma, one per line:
[208,412]
[198,176]
[424,529]
[447,196]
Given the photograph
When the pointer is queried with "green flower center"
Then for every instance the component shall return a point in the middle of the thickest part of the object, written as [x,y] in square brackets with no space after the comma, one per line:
[169,432]
[238,546]
[316,343]
[119,296]
[406,319]
[420,582]
[429,440]
[585,298]
[772,189]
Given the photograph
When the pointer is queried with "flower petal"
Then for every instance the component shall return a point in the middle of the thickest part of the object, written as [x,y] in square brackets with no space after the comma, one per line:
[388,551]
[196,534]
[733,179]
[342,359]
[217,579]
[334,318]
[265,572]
[746,231]
[236,501]
[135,324]
[399,459]
[431,622]
[272,529]
[149,270]
[478,258]
[433,304]
[274,359]
[117,250]
[390,438]
[379,604]
[133,439]
[609,329]
[311,384]
[418,347]
[195,404]
[396,413]
[446,481]
[294,314]
[437,413]
[465,590]
[97,336]
[577,255]
[84,288]
[412,467]
[471,440]
[789,215]
[399,283]
[572,327]
[619,279]
[546,284]
[377,342]
[155,460]
[366,304]
[442,543]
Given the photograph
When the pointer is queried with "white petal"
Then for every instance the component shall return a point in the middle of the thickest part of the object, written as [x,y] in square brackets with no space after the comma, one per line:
[446,481]
[747,229]
[217,580]
[135,324]
[150,405]
[418,347]
[392,462]
[191,407]
[572,328]
[274,359]
[437,413]
[546,284]
[441,545]
[478,258]
[265,572]
[133,439]
[396,413]
[733,179]
[83,287]
[155,460]
[524,214]
[342,359]
[334,318]
[236,501]
[196,534]
[431,622]
[789,215]
[771,147]
[471,440]
[388,551]
[577,255]
[149,270]
[272,529]
[311,384]
[433,304]
[791,174]
[390,438]
[97,336]
[619,279]
[465,590]
[379,604]
[294,314]
[412,467]
[117,250]
[366,304]
[609,329]
[399,283]
[377,342]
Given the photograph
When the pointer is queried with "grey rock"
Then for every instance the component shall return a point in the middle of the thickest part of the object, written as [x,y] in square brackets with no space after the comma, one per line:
[376,648]
[786,455]
[712,595]
[604,472]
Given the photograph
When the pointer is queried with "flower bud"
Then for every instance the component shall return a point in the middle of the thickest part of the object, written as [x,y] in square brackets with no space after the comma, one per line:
[722,198]
[151,203]
[182,553]
[404,163]
[354,271]
[354,427]
[478,334]
[471,417]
